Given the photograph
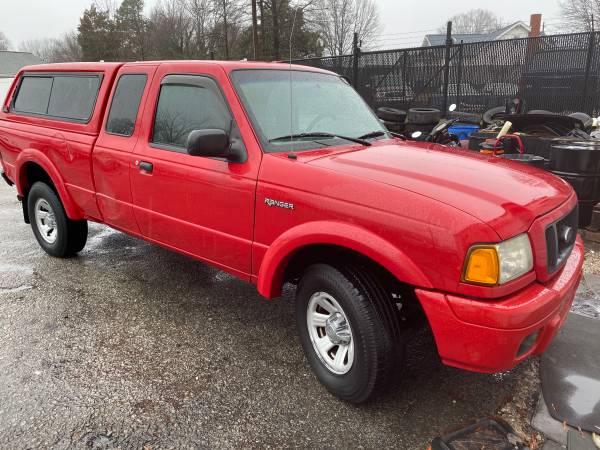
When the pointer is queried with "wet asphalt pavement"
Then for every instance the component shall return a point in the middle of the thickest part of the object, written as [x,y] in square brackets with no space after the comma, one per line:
[131,346]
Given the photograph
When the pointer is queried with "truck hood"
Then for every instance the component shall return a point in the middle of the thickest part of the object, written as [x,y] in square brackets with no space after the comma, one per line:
[506,195]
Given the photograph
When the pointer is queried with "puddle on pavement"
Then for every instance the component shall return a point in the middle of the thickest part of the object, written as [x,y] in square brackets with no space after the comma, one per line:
[583,400]
[15,268]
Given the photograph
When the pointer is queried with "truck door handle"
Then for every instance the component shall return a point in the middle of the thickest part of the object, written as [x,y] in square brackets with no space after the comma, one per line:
[145,166]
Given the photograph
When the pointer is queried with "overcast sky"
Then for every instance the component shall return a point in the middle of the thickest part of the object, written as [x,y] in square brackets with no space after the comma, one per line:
[405,21]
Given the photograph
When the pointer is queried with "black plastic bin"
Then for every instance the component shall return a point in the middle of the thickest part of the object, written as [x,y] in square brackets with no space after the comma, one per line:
[578,163]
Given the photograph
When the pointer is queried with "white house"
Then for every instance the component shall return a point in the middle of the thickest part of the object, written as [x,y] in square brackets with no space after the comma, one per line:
[513,31]
[10,64]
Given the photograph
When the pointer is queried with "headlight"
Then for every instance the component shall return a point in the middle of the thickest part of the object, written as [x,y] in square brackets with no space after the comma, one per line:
[499,263]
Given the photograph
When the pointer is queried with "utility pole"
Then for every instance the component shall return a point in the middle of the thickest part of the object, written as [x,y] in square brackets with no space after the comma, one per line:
[276,41]
[447,67]
[226,30]
[356,55]
[263,41]
[254,31]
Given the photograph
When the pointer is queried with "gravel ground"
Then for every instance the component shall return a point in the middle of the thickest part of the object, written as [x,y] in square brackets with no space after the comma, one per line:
[587,301]
[131,346]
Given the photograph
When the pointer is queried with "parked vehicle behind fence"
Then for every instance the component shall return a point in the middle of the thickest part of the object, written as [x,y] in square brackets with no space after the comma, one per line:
[281,174]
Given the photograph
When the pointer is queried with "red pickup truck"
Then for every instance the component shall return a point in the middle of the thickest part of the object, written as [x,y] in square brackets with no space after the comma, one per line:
[282,174]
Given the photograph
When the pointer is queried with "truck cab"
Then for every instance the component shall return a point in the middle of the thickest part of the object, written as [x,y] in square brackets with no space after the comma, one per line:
[281,174]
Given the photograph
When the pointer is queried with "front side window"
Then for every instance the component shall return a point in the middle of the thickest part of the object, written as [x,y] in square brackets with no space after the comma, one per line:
[125,104]
[185,104]
[286,103]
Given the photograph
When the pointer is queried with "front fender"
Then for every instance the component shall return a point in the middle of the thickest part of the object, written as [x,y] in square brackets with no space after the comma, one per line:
[352,237]
[39,158]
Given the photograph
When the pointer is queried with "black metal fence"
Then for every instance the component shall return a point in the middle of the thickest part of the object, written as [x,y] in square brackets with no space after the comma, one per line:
[557,73]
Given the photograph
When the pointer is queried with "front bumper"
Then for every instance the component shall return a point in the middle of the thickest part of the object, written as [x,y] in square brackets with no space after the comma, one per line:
[493,336]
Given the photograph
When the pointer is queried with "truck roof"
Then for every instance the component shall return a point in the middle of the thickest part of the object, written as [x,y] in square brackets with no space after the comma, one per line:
[228,66]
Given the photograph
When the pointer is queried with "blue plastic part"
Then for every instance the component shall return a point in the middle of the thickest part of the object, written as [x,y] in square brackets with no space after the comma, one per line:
[463,131]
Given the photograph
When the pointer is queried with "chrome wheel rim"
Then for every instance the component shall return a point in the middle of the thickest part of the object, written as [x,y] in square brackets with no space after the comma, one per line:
[45,221]
[330,333]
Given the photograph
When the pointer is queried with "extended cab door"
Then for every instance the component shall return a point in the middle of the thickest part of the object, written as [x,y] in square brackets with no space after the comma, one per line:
[197,205]
[113,151]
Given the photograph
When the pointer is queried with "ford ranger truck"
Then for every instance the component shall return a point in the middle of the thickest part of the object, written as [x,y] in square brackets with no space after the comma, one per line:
[282,174]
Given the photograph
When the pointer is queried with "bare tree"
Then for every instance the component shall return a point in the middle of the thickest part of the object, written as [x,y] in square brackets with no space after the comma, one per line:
[171,30]
[203,21]
[580,15]
[337,21]
[67,48]
[474,21]
[42,48]
[63,49]
[366,21]
[4,42]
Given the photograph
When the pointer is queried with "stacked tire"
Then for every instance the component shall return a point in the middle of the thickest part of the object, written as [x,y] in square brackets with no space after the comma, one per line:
[422,119]
[393,119]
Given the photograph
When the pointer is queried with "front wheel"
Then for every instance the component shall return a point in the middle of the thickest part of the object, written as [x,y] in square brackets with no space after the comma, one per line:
[58,235]
[344,333]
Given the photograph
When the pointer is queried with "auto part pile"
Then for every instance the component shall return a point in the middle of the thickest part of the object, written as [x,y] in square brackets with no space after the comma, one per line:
[417,119]
[566,145]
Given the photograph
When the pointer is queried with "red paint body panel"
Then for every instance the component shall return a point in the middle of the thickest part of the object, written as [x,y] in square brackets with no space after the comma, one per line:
[486,336]
[112,161]
[414,208]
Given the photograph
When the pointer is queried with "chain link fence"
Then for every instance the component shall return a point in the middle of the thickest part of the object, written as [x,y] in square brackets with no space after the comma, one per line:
[556,73]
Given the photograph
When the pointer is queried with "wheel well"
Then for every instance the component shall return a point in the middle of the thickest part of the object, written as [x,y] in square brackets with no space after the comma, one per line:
[31,173]
[399,293]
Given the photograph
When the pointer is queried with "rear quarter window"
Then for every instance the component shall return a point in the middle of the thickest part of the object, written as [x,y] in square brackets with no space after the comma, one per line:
[70,97]
[73,97]
[34,94]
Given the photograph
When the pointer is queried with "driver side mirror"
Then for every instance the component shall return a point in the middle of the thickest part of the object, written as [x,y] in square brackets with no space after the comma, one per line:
[208,143]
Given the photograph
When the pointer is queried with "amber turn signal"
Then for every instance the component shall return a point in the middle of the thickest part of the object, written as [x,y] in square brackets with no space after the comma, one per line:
[482,266]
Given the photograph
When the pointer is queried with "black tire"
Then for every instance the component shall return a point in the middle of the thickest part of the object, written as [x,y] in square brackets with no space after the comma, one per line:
[391,114]
[396,127]
[70,236]
[489,117]
[540,111]
[423,116]
[585,119]
[78,233]
[378,343]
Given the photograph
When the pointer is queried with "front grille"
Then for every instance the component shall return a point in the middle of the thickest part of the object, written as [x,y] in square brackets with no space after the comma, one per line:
[560,239]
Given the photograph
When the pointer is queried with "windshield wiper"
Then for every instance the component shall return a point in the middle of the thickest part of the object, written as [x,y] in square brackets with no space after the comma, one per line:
[372,134]
[319,134]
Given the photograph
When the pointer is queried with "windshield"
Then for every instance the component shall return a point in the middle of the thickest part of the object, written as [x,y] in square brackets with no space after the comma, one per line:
[312,103]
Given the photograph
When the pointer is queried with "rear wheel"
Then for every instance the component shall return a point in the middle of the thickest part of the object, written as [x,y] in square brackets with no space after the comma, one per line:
[346,333]
[58,235]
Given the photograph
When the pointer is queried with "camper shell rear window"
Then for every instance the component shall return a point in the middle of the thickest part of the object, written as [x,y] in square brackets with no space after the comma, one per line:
[61,96]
